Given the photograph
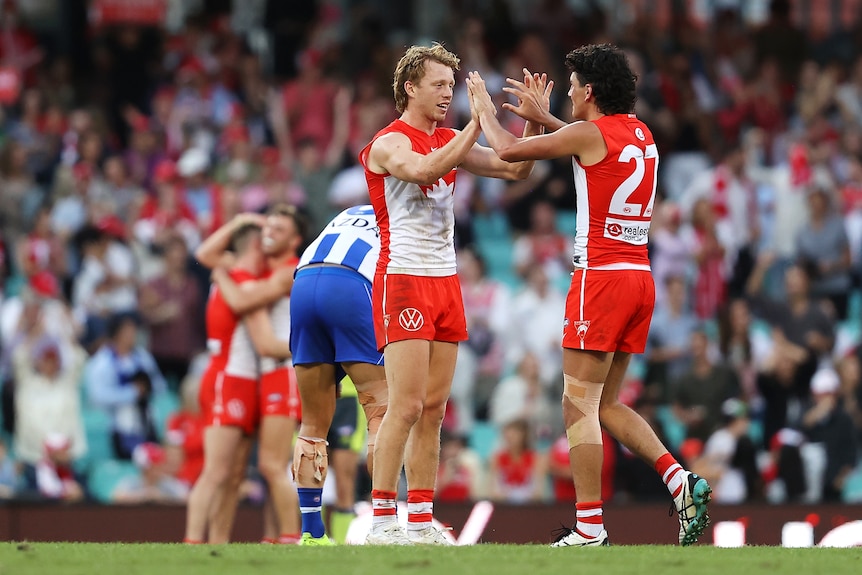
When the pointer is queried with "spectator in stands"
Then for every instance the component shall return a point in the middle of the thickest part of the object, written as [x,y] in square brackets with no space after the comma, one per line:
[481,358]
[47,374]
[560,469]
[167,212]
[198,192]
[671,252]
[21,194]
[55,477]
[518,473]
[41,250]
[668,353]
[524,396]
[185,433]
[710,241]
[802,332]
[727,460]
[543,244]
[122,377]
[824,422]
[105,285]
[153,484]
[823,250]
[784,474]
[170,306]
[460,477]
[742,347]
[699,393]
[537,311]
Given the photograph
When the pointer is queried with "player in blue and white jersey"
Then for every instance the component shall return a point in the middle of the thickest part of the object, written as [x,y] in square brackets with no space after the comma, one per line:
[331,329]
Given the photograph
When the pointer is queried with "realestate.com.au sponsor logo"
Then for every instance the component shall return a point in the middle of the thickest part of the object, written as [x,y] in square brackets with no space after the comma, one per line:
[631,232]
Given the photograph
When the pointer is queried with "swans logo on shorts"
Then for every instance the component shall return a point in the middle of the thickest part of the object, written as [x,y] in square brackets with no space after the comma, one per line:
[236,408]
[581,328]
[411,319]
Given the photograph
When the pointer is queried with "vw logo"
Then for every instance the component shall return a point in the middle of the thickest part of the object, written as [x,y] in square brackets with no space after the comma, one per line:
[411,319]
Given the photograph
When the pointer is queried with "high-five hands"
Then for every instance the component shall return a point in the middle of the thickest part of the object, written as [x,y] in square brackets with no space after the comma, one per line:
[480,99]
[533,94]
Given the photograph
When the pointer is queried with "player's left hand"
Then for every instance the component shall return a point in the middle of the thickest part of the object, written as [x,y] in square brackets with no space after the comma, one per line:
[533,94]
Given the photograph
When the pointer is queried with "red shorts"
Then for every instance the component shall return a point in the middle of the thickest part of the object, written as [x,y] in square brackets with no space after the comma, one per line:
[609,310]
[206,393]
[417,307]
[235,403]
[279,394]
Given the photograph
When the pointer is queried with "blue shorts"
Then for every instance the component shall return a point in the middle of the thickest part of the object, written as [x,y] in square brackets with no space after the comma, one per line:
[330,317]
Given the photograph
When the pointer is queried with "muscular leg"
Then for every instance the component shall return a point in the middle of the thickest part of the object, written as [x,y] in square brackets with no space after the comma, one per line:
[223,507]
[275,448]
[407,379]
[220,447]
[586,370]
[370,382]
[422,455]
[317,391]
[623,423]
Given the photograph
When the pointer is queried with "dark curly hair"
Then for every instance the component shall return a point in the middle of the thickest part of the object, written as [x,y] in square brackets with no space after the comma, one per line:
[606,68]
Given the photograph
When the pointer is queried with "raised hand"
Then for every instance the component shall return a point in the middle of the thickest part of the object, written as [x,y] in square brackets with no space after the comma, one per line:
[533,94]
[480,99]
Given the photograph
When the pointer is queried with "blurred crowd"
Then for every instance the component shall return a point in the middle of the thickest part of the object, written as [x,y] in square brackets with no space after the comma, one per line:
[112,171]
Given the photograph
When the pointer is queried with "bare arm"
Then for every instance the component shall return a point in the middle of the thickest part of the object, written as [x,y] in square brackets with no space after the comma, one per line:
[394,154]
[571,140]
[212,248]
[263,336]
[247,296]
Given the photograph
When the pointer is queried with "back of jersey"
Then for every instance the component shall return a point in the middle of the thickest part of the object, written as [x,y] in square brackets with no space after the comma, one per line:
[351,239]
[615,197]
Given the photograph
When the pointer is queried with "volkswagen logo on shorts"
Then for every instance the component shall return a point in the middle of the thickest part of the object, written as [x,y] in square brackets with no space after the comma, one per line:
[411,319]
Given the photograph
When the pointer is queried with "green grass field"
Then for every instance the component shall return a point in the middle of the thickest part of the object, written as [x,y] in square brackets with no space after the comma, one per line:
[175,559]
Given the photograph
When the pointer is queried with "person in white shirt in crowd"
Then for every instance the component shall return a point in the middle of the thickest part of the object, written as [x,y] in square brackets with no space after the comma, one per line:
[105,285]
[537,313]
[154,484]
[47,375]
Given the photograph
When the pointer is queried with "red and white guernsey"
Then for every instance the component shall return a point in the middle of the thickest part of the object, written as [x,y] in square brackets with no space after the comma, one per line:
[615,204]
[417,223]
[221,324]
[279,314]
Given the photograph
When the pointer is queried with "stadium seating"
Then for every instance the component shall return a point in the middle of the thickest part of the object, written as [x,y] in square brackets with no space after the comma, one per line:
[106,475]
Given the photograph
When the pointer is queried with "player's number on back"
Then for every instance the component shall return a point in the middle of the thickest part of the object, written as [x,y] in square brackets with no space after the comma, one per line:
[619,201]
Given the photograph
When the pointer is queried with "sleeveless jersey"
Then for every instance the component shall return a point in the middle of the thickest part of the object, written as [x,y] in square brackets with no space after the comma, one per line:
[417,223]
[615,197]
[223,342]
[279,314]
[351,239]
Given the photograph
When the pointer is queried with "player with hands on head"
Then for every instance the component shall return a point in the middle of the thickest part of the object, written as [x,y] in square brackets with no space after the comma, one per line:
[612,294]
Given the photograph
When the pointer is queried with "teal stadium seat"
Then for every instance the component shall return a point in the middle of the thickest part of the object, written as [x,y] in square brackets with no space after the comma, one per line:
[482,439]
[566,222]
[97,427]
[106,475]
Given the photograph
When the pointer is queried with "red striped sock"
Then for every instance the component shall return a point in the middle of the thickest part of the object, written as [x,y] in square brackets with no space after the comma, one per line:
[269,541]
[671,473]
[383,504]
[420,508]
[589,515]
[289,538]
[188,541]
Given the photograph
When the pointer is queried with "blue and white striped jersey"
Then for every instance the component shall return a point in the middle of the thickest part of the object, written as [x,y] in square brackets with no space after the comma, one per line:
[351,239]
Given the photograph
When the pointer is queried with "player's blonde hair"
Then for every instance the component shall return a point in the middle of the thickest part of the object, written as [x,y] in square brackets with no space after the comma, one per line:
[411,68]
